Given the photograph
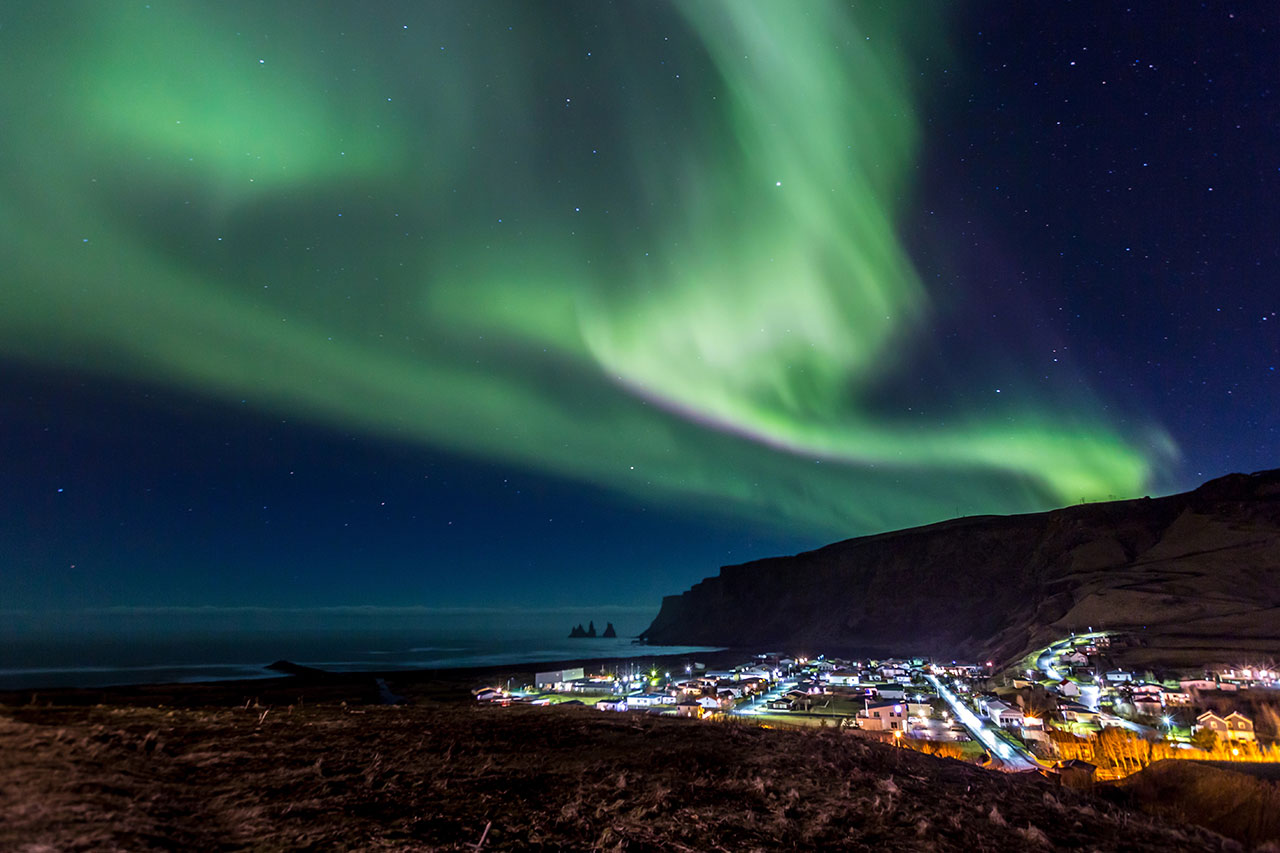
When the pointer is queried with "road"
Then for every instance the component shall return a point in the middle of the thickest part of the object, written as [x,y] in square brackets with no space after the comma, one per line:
[1045,660]
[1014,755]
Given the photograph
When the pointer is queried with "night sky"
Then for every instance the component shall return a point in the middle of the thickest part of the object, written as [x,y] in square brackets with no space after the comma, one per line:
[308,304]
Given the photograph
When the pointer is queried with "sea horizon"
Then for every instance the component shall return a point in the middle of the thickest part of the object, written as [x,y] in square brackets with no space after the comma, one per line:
[175,645]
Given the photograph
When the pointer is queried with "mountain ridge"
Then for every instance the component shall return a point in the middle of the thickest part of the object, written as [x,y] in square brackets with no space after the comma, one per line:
[1198,572]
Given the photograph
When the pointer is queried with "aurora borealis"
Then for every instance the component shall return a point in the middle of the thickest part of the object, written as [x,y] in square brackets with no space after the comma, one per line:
[669,254]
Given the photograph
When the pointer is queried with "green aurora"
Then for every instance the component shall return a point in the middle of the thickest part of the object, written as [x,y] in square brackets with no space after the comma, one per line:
[667,275]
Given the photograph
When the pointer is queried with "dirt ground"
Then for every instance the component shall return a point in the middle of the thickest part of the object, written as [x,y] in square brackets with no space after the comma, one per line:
[450,776]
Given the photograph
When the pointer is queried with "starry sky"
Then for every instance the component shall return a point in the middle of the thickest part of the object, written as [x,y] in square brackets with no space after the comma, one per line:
[457,305]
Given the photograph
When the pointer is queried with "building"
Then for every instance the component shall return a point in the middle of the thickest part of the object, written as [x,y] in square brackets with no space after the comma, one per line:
[844,679]
[557,678]
[920,709]
[888,691]
[1234,726]
[1003,714]
[1067,687]
[611,705]
[884,717]
[688,708]
[1076,773]
[649,700]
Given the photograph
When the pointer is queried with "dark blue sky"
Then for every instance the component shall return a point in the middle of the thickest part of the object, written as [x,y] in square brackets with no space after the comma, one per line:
[1091,211]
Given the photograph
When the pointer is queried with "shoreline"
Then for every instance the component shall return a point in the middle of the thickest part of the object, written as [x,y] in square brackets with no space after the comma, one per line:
[311,685]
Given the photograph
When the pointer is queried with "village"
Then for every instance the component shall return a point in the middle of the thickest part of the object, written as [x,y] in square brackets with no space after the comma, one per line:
[1065,710]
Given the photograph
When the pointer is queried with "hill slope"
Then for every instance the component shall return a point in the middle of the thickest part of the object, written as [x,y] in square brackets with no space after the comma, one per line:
[445,777]
[1200,571]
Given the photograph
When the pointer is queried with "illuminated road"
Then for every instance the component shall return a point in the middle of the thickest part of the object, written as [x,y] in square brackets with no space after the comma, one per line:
[1014,756]
[1088,694]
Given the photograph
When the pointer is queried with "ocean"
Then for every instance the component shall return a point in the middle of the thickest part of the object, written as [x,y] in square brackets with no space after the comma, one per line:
[182,645]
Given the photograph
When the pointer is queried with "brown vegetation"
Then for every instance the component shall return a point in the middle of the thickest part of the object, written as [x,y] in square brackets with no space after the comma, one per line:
[436,776]
[1118,752]
[1235,804]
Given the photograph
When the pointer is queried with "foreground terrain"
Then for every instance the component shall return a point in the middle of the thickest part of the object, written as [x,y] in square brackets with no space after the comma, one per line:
[435,775]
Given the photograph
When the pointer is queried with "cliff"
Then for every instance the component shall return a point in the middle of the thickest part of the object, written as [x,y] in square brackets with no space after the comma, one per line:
[1196,573]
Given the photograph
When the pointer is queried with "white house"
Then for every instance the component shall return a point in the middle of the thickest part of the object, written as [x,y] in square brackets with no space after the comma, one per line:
[844,679]
[884,717]
[649,700]
[1069,688]
[890,691]
[611,705]
[1003,714]
[556,679]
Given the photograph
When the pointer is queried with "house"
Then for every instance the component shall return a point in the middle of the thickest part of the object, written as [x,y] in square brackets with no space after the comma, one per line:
[1147,704]
[649,700]
[708,703]
[556,679]
[611,705]
[780,704]
[1004,715]
[884,717]
[1234,726]
[1074,658]
[1067,687]
[1077,713]
[890,691]
[920,709]
[1116,676]
[1204,684]
[844,679]
[1200,684]
[688,708]
[800,702]
[1075,773]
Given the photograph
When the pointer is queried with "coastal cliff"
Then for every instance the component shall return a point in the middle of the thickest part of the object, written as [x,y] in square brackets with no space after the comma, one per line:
[1198,571]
